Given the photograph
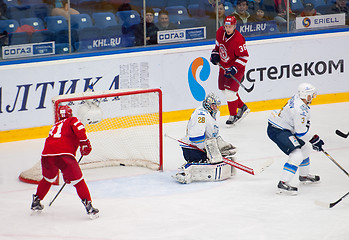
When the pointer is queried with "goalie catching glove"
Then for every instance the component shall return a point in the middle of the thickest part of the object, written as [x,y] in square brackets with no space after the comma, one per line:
[85,147]
[217,148]
[225,148]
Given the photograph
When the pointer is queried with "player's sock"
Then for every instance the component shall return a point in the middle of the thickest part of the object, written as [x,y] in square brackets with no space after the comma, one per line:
[82,190]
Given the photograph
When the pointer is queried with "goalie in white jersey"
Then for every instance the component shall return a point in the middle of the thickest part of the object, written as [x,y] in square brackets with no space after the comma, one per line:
[290,129]
[203,148]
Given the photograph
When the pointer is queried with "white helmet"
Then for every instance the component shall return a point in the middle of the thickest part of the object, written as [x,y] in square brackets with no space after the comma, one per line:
[90,114]
[305,90]
[211,103]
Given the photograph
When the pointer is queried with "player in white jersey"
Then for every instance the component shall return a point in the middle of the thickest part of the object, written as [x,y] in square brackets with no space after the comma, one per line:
[202,146]
[290,129]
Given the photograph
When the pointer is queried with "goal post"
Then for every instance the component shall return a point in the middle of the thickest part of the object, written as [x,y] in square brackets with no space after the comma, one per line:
[125,128]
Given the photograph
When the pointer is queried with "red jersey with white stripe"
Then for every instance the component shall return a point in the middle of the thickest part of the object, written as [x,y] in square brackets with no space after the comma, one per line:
[64,137]
[232,51]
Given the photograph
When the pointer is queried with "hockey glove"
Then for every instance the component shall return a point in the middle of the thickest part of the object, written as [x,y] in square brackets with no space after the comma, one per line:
[215,58]
[317,143]
[229,72]
[85,147]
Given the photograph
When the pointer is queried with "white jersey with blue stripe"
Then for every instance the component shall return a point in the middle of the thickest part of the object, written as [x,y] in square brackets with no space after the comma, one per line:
[201,125]
[294,116]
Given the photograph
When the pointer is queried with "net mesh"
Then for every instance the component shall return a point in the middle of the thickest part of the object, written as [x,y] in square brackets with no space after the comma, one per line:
[126,129]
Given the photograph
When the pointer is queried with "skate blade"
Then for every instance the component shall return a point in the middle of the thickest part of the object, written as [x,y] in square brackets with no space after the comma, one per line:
[243,116]
[93,216]
[309,182]
[237,121]
[35,212]
[285,192]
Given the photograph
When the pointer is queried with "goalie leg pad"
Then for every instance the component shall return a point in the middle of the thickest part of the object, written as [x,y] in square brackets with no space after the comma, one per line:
[199,172]
[213,153]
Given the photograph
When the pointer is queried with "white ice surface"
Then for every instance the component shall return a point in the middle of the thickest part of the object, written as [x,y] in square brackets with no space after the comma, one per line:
[137,203]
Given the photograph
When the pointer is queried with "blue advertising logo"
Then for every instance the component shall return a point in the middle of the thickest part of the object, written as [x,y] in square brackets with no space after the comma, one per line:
[196,89]
[306,22]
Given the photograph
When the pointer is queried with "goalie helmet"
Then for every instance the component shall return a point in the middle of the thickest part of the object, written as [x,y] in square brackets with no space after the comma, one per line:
[90,114]
[64,112]
[307,92]
[212,103]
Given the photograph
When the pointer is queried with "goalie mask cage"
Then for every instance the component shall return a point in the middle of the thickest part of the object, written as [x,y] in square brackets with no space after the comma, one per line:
[128,131]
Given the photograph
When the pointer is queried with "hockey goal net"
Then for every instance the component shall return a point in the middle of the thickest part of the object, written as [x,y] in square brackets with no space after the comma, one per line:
[124,127]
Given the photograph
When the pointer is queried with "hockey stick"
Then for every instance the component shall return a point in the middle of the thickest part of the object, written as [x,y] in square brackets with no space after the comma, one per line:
[60,190]
[226,160]
[331,205]
[241,85]
[334,161]
[342,134]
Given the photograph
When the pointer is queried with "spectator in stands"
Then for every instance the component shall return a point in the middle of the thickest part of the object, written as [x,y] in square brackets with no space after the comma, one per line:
[221,14]
[164,21]
[210,7]
[3,39]
[241,14]
[3,10]
[280,6]
[124,7]
[309,10]
[269,8]
[64,11]
[340,6]
[259,16]
[254,5]
[151,30]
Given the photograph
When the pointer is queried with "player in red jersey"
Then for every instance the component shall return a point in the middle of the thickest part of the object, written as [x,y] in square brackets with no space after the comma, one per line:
[59,152]
[231,53]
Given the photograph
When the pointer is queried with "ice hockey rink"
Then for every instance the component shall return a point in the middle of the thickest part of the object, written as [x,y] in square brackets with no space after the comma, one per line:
[137,203]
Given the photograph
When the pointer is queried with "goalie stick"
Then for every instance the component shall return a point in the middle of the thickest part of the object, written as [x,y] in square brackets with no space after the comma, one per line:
[241,85]
[60,190]
[332,204]
[227,160]
[342,134]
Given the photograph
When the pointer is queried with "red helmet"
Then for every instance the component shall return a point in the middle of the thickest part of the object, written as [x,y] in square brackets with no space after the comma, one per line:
[64,112]
[230,20]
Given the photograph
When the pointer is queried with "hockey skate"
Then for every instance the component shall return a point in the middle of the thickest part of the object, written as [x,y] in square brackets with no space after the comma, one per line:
[36,205]
[232,120]
[242,113]
[91,211]
[283,187]
[309,179]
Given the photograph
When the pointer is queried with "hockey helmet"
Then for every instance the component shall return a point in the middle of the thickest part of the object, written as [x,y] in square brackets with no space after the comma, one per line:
[90,114]
[64,111]
[211,103]
[230,20]
[305,90]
